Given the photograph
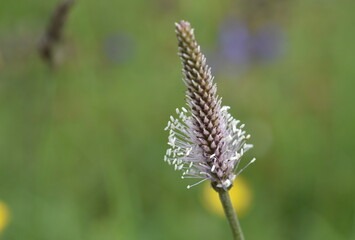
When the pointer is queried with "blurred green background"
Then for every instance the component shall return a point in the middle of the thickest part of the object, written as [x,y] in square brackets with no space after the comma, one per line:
[82,145]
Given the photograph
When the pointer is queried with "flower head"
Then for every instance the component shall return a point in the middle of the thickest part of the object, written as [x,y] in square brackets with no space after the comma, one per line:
[205,140]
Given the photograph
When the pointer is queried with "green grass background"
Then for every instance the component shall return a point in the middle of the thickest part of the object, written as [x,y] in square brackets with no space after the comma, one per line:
[81,147]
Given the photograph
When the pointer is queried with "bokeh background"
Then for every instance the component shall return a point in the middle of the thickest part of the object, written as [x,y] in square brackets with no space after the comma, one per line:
[82,143]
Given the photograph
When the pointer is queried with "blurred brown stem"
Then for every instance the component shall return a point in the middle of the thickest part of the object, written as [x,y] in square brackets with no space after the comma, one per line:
[53,33]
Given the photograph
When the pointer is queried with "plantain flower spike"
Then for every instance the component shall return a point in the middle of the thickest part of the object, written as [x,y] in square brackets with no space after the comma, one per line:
[206,142]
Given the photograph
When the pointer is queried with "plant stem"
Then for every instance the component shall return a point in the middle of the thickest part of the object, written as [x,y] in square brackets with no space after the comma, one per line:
[231,215]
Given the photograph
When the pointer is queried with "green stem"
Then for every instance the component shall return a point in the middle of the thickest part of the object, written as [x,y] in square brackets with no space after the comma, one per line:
[231,215]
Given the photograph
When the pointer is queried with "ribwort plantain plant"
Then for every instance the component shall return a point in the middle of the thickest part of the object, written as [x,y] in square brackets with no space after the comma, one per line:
[54,31]
[206,142]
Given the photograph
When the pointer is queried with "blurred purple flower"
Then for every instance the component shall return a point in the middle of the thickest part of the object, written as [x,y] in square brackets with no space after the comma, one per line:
[268,43]
[119,47]
[240,47]
[234,41]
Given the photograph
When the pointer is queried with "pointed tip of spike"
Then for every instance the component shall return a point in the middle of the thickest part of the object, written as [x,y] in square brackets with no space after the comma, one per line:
[182,24]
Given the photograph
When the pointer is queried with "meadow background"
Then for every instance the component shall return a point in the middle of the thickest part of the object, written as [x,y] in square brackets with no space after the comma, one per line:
[82,145]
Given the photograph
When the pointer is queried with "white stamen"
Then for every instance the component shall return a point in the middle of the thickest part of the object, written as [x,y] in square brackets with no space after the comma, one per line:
[190,186]
[253,160]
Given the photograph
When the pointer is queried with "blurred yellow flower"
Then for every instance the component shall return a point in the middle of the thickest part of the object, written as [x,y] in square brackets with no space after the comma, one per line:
[240,194]
[4,216]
